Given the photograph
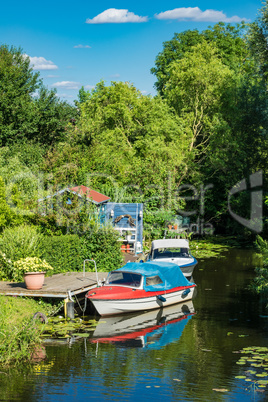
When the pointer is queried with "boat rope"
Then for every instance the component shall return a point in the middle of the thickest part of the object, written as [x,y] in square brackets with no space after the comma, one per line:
[78,302]
[85,305]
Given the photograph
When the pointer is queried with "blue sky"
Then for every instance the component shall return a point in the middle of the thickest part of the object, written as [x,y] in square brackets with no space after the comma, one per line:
[83,42]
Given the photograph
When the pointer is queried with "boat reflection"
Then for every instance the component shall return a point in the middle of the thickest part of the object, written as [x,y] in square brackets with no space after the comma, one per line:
[151,330]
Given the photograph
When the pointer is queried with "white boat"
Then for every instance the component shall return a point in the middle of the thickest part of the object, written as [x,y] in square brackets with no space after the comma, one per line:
[140,287]
[176,251]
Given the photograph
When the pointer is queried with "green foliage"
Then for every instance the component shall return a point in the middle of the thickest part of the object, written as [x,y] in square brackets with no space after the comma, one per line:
[20,242]
[257,38]
[15,243]
[19,333]
[226,38]
[156,223]
[68,252]
[130,137]
[52,117]
[260,284]
[63,253]
[23,114]
[17,85]
[7,217]
[102,245]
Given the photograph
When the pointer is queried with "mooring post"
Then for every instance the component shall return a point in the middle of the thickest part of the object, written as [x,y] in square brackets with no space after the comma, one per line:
[69,306]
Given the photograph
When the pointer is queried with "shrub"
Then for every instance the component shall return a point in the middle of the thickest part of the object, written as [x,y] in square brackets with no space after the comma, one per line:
[16,243]
[103,246]
[65,253]
[20,242]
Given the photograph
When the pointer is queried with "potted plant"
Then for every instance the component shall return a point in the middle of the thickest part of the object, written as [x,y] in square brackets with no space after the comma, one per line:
[33,270]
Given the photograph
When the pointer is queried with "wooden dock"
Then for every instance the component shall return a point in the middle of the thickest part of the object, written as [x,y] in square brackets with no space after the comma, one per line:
[58,286]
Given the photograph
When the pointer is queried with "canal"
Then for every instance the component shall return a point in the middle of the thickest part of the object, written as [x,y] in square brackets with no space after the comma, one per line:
[188,352]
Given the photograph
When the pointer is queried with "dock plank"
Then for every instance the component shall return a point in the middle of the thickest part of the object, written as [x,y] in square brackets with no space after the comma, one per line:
[57,285]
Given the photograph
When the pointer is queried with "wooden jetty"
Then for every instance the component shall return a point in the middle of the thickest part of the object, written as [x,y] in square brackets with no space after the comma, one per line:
[58,285]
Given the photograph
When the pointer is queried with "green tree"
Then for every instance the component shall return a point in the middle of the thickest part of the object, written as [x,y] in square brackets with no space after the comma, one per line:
[258,38]
[226,38]
[18,83]
[52,117]
[28,111]
[134,139]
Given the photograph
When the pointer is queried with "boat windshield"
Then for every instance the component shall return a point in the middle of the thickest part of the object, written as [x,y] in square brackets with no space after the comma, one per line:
[171,252]
[124,279]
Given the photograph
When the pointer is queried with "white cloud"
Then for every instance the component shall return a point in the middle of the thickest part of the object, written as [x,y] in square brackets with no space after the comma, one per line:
[115,16]
[52,76]
[65,96]
[67,84]
[82,47]
[195,14]
[40,63]
[89,87]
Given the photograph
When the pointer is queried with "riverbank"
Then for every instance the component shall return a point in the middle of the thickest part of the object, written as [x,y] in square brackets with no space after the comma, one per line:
[19,331]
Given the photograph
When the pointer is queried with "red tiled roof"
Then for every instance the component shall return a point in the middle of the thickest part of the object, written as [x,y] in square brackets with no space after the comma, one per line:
[94,196]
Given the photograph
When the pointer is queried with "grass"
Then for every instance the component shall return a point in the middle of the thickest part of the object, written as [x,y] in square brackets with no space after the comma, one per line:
[19,332]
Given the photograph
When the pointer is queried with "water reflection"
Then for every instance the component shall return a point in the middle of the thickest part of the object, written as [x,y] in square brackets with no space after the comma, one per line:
[151,330]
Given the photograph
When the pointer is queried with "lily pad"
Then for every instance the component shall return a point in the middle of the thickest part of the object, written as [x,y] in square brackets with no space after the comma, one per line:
[82,335]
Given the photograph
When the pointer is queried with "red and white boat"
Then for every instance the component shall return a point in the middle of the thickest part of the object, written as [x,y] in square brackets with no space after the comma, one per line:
[140,287]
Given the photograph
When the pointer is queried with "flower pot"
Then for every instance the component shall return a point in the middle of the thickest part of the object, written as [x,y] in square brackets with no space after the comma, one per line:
[170,227]
[34,280]
[175,227]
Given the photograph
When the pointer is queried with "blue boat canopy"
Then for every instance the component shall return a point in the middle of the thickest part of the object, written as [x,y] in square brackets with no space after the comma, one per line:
[158,275]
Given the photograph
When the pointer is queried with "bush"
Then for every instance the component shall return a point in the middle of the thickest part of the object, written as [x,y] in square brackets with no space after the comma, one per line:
[103,246]
[20,242]
[65,253]
[68,252]
[16,243]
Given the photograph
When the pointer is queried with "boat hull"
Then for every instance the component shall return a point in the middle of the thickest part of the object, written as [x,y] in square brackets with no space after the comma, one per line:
[153,300]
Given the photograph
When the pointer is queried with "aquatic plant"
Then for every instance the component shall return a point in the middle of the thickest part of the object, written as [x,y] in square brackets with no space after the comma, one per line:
[254,360]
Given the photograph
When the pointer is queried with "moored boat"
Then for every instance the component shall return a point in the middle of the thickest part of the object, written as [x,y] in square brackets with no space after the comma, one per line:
[141,287]
[176,251]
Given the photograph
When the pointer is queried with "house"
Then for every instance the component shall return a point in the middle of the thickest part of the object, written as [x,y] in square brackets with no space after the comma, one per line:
[126,218]
[72,199]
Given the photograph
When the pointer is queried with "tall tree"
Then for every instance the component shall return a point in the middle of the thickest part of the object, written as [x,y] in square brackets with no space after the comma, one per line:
[27,109]
[226,38]
[258,39]
[134,138]
[18,83]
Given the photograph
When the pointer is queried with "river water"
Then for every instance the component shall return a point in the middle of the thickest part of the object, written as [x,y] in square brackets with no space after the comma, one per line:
[187,352]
